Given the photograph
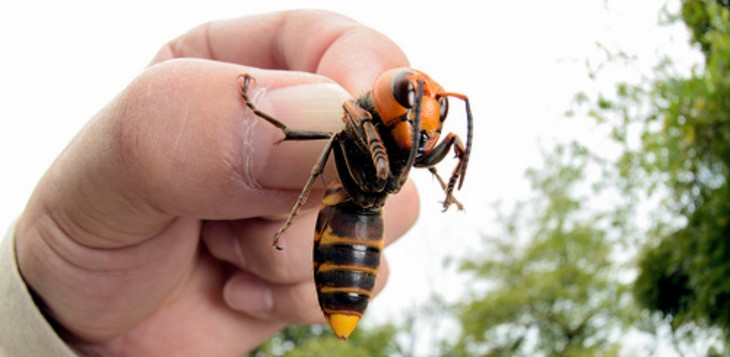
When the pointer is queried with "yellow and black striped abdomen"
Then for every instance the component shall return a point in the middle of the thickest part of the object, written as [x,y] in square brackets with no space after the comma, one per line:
[347,243]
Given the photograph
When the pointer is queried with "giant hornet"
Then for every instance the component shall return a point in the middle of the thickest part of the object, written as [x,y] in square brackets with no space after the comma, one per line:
[388,130]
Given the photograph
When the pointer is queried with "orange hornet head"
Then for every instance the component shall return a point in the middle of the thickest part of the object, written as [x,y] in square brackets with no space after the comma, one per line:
[394,95]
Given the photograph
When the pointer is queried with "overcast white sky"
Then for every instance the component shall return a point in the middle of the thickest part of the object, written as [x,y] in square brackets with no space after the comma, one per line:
[521,62]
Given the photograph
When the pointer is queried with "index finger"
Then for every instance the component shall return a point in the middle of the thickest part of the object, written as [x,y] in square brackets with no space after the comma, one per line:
[302,40]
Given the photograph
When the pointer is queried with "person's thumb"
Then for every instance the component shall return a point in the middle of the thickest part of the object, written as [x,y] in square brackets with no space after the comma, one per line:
[180,142]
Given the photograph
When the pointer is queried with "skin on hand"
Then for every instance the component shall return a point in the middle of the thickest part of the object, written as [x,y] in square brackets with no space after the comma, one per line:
[151,233]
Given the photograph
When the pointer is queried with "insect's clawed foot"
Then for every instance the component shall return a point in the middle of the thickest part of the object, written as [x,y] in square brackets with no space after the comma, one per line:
[277,245]
[451,200]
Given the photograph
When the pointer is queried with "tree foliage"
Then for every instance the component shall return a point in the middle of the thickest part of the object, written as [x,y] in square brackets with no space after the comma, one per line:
[317,340]
[701,18]
[684,133]
[553,285]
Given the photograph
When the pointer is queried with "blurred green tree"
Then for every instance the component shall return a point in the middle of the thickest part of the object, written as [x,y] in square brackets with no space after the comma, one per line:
[684,150]
[318,340]
[550,282]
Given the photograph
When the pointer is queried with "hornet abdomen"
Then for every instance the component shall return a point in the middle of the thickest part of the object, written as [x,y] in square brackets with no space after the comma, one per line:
[348,240]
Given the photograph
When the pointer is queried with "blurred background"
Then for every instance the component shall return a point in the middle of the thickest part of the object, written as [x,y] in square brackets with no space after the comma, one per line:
[598,149]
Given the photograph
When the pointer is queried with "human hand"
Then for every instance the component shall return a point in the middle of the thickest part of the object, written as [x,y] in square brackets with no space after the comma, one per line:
[151,233]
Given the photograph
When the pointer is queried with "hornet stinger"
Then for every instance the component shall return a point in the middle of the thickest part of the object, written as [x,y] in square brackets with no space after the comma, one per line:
[388,130]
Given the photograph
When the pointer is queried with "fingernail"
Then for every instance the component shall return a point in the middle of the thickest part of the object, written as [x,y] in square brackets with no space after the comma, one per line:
[319,105]
[249,295]
[312,107]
